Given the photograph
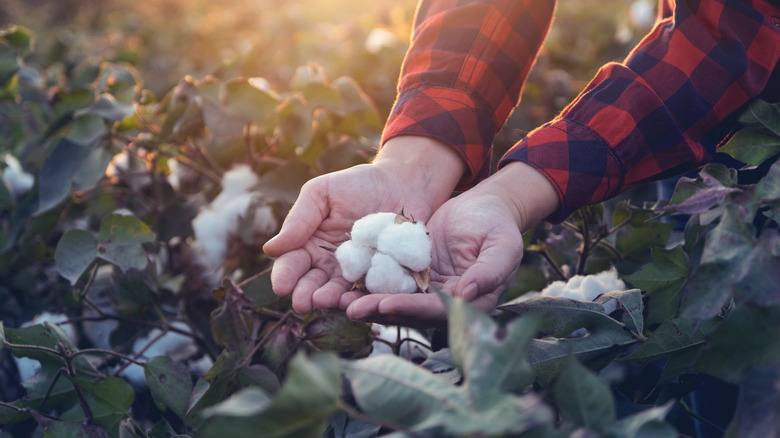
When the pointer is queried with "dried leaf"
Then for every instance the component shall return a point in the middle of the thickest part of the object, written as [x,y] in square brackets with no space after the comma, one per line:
[422,278]
[401,217]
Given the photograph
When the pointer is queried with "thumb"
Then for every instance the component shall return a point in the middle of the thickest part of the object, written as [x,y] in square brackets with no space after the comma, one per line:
[305,216]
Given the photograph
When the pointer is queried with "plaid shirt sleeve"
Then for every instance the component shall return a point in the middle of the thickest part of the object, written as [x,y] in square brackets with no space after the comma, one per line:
[666,108]
[464,71]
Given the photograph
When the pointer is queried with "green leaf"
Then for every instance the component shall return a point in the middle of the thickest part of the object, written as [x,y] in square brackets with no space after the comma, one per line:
[757,412]
[61,394]
[87,129]
[562,316]
[93,168]
[124,230]
[74,253]
[67,429]
[708,290]
[674,336]
[752,145]
[662,281]
[19,38]
[109,401]
[761,113]
[492,358]
[120,80]
[696,196]
[635,239]
[284,182]
[582,398]
[58,171]
[252,102]
[106,107]
[247,402]
[394,389]
[759,283]
[630,302]
[748,338]
[644,424]
[309,396]
[731,240]
[120,241]
[170,384]
[768,188]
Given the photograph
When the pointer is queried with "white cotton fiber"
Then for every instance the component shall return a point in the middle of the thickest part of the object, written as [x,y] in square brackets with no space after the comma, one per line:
[219,220]
[587,287]
[365,230]
[19,180]
[408,243]
[386,276]
[354,258]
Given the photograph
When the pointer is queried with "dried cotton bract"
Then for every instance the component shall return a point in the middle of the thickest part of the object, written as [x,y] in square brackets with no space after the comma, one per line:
[387,253]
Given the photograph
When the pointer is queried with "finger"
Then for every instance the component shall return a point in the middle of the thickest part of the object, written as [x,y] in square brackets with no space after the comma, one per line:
[329,295]
[494,268]
[414,310]
[288,269]
[348,297]
[305,216]
[302,294]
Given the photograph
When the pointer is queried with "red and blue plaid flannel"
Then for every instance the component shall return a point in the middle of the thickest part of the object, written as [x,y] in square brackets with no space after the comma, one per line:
[661,112]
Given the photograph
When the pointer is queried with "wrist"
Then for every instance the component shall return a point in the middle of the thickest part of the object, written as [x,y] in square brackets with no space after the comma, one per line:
[527,192]
[424,165]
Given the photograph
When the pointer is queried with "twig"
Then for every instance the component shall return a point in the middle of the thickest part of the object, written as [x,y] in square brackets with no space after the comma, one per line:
[254,277]
[263,340]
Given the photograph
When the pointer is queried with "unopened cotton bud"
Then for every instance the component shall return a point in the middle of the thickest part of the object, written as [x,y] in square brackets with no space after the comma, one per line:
[354,258]
[386,276]
[365,230]
[408,243]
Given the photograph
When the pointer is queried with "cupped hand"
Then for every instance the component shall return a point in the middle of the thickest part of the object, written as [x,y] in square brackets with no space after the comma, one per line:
[477,248]
[328,205]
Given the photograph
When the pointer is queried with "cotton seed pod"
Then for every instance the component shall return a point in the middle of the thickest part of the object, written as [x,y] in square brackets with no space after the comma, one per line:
[365,230]
[333,331]
[407,243]
[354,258]
[386,276]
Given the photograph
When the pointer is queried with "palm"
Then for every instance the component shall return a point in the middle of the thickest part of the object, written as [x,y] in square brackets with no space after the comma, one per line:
[475,240]
[322,217]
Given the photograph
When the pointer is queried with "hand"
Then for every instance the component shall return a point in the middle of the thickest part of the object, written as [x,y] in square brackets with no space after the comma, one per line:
[415,173]
[477,248]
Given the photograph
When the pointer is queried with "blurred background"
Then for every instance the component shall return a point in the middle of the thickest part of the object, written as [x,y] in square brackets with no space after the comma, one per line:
[366,40]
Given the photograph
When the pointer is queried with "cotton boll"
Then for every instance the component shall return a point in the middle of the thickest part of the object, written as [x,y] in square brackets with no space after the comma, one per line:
[354,259]
[366,229]
[29,367]
[19,180]
[386,276]
[170,344]
[408,243]
[237,180]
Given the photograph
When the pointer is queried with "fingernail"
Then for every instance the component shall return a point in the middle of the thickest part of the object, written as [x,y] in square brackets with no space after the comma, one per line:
[470,292]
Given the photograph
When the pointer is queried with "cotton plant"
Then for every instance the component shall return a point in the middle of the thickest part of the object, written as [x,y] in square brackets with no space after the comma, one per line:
[386,253]
[219,221]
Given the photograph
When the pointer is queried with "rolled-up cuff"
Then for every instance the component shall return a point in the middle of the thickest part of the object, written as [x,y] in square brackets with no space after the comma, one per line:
[451,116]
[578,162]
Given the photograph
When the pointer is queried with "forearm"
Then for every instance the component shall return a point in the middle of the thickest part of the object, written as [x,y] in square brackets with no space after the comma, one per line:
[664,110]
[464,71]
